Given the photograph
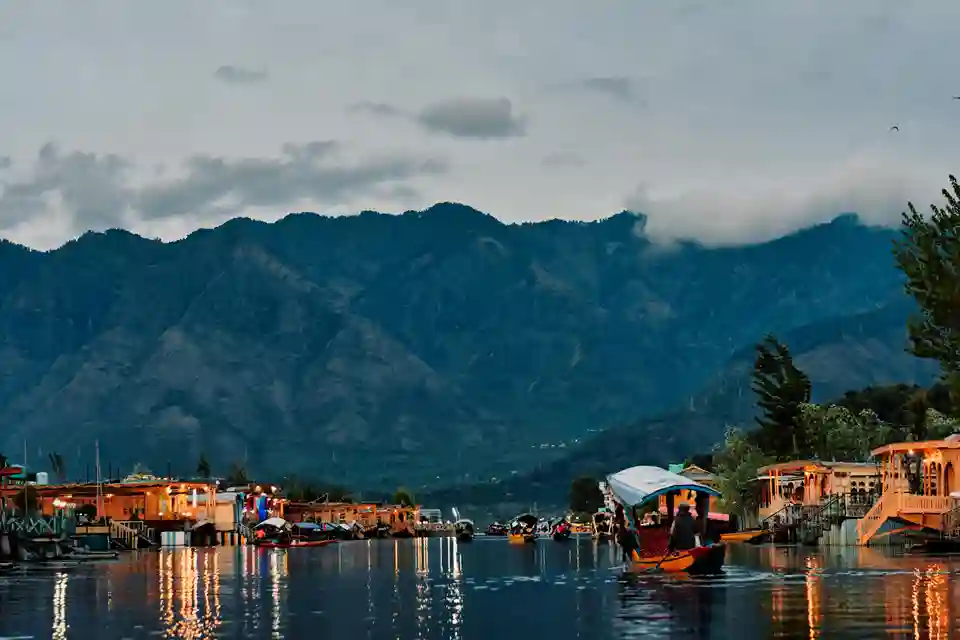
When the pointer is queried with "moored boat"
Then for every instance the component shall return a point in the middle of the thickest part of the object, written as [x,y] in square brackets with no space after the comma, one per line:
[638,486]
[523,529]
[750,536]
[561,530]
[465,529]
[496,529]
[295,543]
[603,525]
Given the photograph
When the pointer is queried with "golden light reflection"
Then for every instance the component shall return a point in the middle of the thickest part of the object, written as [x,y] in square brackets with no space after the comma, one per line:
[186,579]
[813,586]
[917,580]
[60,606]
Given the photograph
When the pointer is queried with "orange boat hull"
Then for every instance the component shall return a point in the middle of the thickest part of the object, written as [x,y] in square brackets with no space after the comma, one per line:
[706,559]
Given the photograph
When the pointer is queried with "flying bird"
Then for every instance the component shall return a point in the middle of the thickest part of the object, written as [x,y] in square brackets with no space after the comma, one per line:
[894,128]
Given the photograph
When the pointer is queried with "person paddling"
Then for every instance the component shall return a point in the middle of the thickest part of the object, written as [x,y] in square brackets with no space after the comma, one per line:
[683,534]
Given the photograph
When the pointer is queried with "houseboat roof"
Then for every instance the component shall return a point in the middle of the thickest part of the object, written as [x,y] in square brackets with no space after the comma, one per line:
[636,485]
[89,489]
[950,442]
[812,466]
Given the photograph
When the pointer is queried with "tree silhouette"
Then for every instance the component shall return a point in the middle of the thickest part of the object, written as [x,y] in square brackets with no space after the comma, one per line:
[781,388]
[58,466]
[203,467]
[403,498]
[585,495]
[237,476]
[928,253]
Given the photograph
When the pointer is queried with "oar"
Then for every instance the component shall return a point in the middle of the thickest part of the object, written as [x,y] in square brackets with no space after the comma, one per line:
[657,566]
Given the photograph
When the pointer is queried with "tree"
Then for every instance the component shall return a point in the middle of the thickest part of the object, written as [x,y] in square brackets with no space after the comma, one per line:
[58,466]
[403,498]
[585,495]
[781,388]
[237,476]
[836,433]
[736,461]
[203,467]
[928,253]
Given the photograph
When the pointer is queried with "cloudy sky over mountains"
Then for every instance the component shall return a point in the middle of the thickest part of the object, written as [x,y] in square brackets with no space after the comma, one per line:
[724,121]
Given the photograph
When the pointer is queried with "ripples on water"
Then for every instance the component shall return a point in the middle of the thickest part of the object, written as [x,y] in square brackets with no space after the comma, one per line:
[437,588]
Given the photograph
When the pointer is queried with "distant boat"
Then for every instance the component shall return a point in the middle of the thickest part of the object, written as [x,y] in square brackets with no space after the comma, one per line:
[602,525]
[465,530]
[523,529]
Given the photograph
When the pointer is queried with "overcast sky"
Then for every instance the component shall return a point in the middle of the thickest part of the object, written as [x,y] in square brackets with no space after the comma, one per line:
[724,121]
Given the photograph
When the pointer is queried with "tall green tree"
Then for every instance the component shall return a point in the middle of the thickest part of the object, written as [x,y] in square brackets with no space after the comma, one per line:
[736,461]
[403,498]
[585,495]
[203,467]
[781,388]
[237,475]
[928,253]
[836,433]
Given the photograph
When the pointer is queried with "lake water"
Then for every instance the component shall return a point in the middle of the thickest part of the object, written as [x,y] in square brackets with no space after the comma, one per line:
[437,588]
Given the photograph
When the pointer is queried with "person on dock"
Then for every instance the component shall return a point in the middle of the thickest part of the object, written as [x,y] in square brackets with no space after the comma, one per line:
[683,533]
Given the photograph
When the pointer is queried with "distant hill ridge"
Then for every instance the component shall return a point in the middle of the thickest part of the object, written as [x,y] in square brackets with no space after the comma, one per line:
[423,349]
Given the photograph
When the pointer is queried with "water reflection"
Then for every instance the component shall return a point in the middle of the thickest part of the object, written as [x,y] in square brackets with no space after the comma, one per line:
[440,588]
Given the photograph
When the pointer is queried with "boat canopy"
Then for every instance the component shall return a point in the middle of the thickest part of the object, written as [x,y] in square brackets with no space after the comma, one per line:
[307,525]
[279,523]
[464,522]
[636,485]
[601,516]
[527,519]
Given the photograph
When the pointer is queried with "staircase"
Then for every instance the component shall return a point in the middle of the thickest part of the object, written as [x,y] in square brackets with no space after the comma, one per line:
[245,532]
[885,506]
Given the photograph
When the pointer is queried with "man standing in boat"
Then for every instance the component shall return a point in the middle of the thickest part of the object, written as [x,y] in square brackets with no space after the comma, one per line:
[625,537]
[683,531]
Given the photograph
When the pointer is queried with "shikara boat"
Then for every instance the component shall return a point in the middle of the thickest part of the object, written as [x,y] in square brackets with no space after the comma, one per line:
[295,543]
[638,485]
[561,530]
[523,529]
[750,536]
[603,525]
[464,529]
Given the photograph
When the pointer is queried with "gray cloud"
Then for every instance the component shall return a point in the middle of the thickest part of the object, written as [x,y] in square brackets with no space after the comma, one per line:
[91,186]
[304,171]
[96,190]
[238,75]
[619,88]
[379,109]
[483,118]
[5,162]
[562,161]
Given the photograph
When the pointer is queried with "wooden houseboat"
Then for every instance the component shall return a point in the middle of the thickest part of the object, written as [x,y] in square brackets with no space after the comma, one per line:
[919,497]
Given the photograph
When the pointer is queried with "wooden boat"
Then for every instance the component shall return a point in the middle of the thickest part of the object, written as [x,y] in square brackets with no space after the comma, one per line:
[464,529]
[701,560]
[523,529]
[294,543]
[750,536]
[638,485]
[561,531]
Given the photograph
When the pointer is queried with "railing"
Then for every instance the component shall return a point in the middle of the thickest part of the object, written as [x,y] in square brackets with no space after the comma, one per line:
[892,503]
[129,536]
[951,523]
[246,532]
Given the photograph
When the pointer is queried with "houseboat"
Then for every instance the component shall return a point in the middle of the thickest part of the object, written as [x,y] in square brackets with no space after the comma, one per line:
[639,487]
[465,529]
[918,493]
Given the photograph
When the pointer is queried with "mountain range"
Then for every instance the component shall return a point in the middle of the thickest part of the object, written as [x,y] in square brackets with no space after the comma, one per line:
[428,349]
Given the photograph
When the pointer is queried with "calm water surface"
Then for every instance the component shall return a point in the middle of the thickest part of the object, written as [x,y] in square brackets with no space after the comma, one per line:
[437,588]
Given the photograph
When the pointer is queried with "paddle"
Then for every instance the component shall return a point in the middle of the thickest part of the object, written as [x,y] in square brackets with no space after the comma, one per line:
[657,566]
